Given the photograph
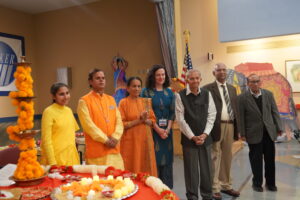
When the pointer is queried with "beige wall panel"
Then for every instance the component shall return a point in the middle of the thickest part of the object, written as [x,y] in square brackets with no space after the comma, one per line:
[17,23]
[86,37]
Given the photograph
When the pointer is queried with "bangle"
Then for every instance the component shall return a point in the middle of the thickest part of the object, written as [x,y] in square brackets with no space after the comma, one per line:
[151,124]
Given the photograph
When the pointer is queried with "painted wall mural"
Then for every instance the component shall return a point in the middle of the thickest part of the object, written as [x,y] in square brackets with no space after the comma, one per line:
[119,65]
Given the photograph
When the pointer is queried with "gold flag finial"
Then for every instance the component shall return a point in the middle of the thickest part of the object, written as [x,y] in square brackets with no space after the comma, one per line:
[186,34]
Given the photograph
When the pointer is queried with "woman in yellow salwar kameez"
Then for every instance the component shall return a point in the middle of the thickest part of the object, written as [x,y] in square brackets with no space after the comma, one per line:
[58,130]
[137,147]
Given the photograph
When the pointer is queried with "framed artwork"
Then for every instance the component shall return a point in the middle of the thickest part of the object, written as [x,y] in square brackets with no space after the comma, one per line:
[292,72]
[11,49]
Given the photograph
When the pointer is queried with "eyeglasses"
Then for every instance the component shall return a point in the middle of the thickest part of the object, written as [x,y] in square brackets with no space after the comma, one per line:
[257,81]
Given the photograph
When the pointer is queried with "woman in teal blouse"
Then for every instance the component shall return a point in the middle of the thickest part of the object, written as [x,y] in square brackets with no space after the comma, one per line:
[163,105]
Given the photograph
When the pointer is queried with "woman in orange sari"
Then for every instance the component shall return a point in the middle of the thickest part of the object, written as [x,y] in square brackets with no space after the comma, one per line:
[137,147]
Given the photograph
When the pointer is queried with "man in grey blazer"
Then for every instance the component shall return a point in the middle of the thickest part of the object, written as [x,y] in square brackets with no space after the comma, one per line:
[259,126]
[224,132]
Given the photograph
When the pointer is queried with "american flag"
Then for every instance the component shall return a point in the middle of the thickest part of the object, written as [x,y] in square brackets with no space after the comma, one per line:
[187,64]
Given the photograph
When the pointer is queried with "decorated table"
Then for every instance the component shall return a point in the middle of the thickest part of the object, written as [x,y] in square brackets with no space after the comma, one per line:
[148,187]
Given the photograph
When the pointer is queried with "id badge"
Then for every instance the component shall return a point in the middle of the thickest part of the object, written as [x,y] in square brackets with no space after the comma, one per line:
[162,122]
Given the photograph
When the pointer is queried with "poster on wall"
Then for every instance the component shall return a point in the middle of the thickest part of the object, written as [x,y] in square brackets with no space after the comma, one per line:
[292,71]
[11,49]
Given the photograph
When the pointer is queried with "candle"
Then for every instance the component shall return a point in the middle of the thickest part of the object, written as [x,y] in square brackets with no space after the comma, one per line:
[96,178]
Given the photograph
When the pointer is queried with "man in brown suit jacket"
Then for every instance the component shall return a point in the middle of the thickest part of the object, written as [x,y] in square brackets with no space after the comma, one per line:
[224,132]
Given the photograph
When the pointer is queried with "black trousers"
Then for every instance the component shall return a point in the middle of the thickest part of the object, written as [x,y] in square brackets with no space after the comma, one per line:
[265,150]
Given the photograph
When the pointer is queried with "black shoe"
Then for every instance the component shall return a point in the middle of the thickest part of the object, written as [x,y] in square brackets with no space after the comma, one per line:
[257,188]
[271,188]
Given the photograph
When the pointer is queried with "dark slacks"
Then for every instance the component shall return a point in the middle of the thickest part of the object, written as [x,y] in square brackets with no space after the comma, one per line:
[265,150]
[165,173]
[195,158]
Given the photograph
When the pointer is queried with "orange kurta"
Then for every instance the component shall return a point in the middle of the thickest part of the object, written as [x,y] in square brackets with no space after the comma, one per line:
[137,147]
[100,118]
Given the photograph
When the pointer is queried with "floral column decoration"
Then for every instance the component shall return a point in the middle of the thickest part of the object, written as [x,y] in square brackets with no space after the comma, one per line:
[28,167]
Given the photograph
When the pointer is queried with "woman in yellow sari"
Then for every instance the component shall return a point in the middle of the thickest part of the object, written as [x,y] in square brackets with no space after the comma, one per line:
[58,130]
[137,147]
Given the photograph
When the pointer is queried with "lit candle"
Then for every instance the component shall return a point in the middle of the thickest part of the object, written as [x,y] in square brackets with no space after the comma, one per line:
[91,193]
[96,178]
[83,181]
[117,193]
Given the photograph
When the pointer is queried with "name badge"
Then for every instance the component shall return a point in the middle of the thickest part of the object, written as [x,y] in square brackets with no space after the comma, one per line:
[111,107]
[162,122]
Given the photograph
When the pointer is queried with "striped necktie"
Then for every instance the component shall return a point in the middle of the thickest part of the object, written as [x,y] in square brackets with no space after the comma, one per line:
[227,100]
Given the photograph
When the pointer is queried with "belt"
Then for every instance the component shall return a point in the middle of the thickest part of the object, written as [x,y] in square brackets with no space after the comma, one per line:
[227,121]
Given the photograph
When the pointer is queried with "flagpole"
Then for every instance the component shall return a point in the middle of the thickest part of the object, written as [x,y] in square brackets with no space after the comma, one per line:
[186,34]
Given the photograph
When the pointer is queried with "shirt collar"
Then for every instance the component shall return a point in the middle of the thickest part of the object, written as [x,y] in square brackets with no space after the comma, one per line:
[188,90]
[96,93]
[220,84]
[256,95]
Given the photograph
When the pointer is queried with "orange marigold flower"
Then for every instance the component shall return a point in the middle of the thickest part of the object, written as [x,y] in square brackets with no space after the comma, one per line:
[29,174]
[21,77]
[39,173]
[10,129]
[22,127]
[16,129]
[13,94]
[28,69]
[24,84]
[20,69]
[23,114]
[22,94]
[30,93]
[29,167]
[23,105]
[29,125]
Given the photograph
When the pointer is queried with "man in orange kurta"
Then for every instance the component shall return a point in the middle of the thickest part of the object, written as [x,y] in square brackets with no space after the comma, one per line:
[102,124]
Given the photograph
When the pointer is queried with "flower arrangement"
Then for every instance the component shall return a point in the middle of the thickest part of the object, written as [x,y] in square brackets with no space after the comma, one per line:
[25,108]
[23,82]
[155,183]
[177,85]
[28,167]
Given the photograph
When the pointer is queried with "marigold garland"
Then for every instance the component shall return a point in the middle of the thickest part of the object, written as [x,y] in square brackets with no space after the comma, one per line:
[167,195]
[28,167]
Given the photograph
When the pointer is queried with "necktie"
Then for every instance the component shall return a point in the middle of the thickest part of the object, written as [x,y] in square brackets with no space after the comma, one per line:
[227,100]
